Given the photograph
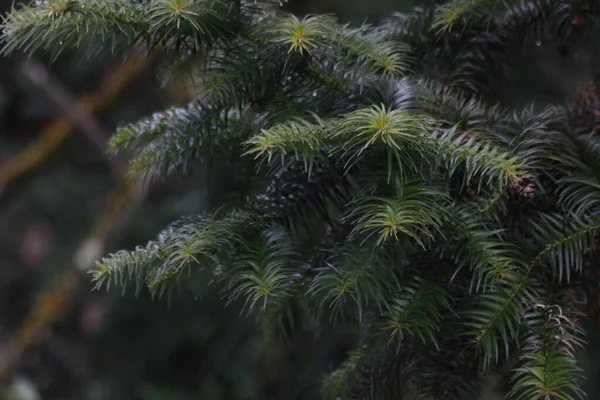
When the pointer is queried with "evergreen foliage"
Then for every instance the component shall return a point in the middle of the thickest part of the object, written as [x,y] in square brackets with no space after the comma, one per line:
[392,187]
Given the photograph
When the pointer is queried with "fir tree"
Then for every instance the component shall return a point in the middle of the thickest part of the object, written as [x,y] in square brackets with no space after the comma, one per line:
[385,181]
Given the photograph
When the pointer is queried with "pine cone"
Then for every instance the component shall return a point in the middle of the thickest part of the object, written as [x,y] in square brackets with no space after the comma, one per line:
[523,188]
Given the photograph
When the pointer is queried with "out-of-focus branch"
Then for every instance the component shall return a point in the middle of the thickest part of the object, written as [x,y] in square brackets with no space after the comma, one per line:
[83,118]
[40,76]
[119,206]
[51,306]
[38,151]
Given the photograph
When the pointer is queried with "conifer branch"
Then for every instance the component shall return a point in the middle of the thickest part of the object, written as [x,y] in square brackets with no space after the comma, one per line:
[548,366]
[478,244]
[417,310]
[391,131]
[183,244]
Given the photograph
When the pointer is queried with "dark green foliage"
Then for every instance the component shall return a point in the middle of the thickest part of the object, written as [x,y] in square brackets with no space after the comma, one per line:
[394,189]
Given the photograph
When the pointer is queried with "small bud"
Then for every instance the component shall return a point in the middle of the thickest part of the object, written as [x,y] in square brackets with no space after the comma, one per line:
[579,21]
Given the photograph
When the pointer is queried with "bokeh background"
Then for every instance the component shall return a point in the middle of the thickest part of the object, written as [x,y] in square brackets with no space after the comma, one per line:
[63,203]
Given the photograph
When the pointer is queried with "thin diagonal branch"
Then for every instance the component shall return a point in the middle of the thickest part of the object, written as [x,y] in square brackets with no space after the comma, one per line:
[62,127]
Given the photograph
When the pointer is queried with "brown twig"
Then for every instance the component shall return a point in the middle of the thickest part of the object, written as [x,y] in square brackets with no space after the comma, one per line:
[84,119]
[37,152]
[40,76]
[51,307]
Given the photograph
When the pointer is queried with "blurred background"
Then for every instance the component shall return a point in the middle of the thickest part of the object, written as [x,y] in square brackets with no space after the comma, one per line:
[63,204]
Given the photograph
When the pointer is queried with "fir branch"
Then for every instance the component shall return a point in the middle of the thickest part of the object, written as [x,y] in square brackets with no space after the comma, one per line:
[177,248]
[366,49]
[305,203]
[264,271]
[578,189]
[563,242]
[416,310]
[482,160]
[402,135]
[494,318]
[96,26]
[548,368]
[305,140]
[538,20]
[383,157]
[338,383]
[460,12]
[478,244]
[355,277]
[172,141]
[300,35]
[418,212]
[90,25]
